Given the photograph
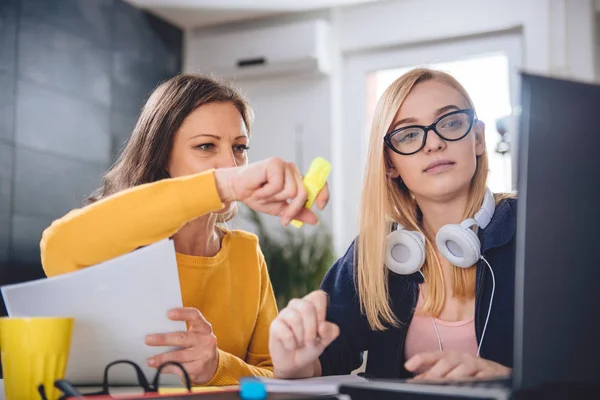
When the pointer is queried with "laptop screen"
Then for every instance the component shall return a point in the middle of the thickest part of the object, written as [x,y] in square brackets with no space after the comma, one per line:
[557,301]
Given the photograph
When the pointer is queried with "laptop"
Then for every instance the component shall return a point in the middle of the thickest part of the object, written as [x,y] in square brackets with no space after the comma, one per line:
[557,278]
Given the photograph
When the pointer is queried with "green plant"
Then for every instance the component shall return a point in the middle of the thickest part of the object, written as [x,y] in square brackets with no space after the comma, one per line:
[296,260]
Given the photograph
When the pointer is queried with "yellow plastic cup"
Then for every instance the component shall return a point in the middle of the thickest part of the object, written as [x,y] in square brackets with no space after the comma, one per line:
[34,351]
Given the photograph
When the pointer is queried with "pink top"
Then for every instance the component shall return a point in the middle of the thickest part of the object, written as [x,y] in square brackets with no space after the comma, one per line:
[456,336]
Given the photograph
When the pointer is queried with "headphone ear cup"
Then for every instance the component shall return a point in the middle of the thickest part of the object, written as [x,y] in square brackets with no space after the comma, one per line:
[458,245]
[404,251]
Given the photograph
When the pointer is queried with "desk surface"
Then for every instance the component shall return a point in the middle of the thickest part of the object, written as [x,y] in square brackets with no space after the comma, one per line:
[134,390]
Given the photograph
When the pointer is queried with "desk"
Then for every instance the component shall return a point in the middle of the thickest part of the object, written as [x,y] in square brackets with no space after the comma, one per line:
[132,390]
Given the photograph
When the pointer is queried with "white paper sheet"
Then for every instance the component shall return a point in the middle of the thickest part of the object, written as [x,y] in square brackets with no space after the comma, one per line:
[321,385]
[115,305]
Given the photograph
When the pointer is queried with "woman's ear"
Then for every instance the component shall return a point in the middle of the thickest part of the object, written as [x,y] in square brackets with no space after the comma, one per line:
[391,170]
[479,129]
[393,173]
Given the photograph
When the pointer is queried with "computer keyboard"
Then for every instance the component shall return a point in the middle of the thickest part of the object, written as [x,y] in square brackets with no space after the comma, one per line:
[475,389]
[504,382]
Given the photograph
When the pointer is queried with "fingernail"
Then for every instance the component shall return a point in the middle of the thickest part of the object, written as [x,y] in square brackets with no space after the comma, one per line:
[150,338]
[172,314]
[151,362]
[328,299]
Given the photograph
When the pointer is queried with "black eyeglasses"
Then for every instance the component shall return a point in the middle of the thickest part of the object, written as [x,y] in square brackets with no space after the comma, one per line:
[69,391]
[411,139]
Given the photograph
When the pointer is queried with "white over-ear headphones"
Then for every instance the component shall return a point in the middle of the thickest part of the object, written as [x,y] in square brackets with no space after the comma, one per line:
[458,243]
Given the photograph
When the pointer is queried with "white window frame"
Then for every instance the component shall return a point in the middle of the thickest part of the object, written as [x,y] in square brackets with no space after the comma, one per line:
[351,141]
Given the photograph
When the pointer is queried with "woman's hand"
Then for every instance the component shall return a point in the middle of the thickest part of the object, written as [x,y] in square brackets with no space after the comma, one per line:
[447,365]
[198,353]
[272,187]
[299,335]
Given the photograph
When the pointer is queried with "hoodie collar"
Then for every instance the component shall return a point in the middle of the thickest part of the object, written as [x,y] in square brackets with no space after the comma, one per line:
[501,228]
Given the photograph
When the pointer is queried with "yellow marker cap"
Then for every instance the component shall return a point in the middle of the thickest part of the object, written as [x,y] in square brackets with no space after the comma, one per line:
[314,181]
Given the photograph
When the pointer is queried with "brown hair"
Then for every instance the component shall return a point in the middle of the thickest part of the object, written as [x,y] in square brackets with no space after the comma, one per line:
[144,158]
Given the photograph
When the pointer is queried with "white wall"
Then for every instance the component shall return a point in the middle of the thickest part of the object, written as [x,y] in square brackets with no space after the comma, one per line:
[558,37]
[292,118]
[292,113]
[556,33]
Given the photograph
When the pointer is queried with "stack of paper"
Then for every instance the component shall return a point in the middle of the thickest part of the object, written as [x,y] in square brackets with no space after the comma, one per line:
[326,385]
[115,305]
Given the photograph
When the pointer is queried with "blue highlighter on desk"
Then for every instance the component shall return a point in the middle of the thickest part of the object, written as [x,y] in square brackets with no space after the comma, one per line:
[252,389]
[314,181]
[256,389]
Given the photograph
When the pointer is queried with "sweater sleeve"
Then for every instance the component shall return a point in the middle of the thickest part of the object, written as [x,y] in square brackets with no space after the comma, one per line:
[258,361]
[344,354]
[125,221]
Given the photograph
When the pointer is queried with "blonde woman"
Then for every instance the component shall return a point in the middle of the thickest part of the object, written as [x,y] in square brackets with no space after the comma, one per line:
[427,298]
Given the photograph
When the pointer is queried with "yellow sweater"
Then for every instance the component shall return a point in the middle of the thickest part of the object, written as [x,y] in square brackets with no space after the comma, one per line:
[231,289]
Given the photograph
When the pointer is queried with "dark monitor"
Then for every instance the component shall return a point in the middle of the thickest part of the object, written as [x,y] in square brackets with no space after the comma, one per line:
[557,304]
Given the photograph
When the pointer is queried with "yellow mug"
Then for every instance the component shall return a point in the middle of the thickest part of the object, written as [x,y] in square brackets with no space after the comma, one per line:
[34,351]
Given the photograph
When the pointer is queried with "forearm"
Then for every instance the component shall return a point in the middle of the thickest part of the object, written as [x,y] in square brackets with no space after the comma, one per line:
[126,221]
[310,371]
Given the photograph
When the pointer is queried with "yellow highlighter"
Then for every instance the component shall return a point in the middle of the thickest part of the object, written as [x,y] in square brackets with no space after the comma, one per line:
[314,181]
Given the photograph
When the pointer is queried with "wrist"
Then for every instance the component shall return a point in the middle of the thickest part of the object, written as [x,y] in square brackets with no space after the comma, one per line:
[223,180]
[308,371]
[211,371]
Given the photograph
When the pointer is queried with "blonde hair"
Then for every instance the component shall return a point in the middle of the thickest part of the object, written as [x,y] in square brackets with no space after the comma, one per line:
[384,201]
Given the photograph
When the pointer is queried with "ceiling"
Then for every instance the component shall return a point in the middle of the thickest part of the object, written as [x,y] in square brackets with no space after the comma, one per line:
[200,13]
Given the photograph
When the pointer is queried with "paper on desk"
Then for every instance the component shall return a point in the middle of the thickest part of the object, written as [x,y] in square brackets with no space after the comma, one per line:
[115,305]
[325,385]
